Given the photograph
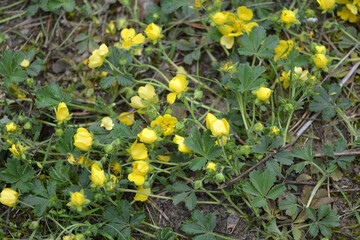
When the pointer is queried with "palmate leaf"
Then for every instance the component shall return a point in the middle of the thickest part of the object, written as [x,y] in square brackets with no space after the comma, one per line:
[201,225]
[184,192]
[256,44]
[325,220]
[18,175]
[10,67]
[50,96]
[324,101]
[247,78]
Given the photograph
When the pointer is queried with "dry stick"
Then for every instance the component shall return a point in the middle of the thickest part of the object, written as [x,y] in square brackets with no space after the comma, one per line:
[345,153]
[298,134]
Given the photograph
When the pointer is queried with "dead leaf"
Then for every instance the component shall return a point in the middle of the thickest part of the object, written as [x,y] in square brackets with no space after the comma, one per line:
[303,177]
[232,221]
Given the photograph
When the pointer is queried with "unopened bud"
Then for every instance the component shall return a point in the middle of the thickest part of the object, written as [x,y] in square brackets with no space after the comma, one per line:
[198,184]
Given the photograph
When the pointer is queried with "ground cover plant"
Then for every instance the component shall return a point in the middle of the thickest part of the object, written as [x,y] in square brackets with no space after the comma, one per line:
[193,119]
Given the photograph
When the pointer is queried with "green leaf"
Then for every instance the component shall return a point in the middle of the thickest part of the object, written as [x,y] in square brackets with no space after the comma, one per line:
[284,157]
[324,101]
[170,6]
[125,80]
[256,44]
[121,131]
[259,202]
[290,205]
[277,142]
[197,163]
[178,187]
[18,175]
[262,146]
[51,96]
[107,82]
[262,181]
[190,202]
[325,220]
[201,224]
[346,41]
[65,144]
[179,197]
[305,154]
[204,146]
[328,150]
[10,67]
[276,191]
[247,79]
[60,173]
[165,234]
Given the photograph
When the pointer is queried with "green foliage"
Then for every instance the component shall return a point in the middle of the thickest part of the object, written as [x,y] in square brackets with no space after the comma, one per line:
[60,173]
[260,185]
[247,79]
[19,175]
[289,204]
[165,234]
[183,192]
[10,67]
[120,220]
[325,219]
[50,6]
[169,6]
[201,225]
[340,146]
[51,96]
[257,44]
[202,145]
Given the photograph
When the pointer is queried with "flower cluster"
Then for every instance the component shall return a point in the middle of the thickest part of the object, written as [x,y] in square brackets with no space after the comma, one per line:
[98,55]
[349,11]
[233,25]
[147,96]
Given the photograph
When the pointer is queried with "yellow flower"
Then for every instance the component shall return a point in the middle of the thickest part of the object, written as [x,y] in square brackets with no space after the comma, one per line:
[285,78]
[227,41]
[140,169]
[107,123]
[115,168]
[21,95]
[288,17]
[220,127]
[138,151]
[62,112]
[210,118]
[153,31]
[95,60]
[141,197]
[320,49]
[171,97]
[263,94]
[274,130]
[164,158]
[130,38]
[111,28]
[77,199]
[17,150]
[136,102]
[103,50]
[320,60]
[8,197]
[326,4]
[98,177]
[83,139]
[220,18]
[127,118]
[147,136]
[347,15]
[166,122]
[147,92]
[68,237]
[11,127]
[71,159]
[178,84]
[113,181]
[283,49]
[181,145]
[25,63]
[211,166]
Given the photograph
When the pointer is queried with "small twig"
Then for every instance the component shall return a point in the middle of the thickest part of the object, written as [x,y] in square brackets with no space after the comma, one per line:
[344,153]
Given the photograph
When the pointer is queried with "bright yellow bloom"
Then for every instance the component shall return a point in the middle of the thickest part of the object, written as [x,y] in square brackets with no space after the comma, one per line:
[320,60]
[181,145]
[98,177]
[347,15]
[220,127]
[113,181]
[320,49]
[166,122]
[283,49]
[147,92]
[178,84]
[21,95]
[8,197]
[164,158]
[153,31]
[141,197]
[326,4]
[136,102]
[274,130]
[103,50]
[288,17]
[263,94]
[107,123]
[62,112]
[115,168]
[210,118]
[181,72]
[130,38]
[83,139]
[77,199]
[25,63]
[138,151]
[233,25]
[17,150]
[285,79]
[68,237]
[71,159]
[171,97]
[140,169]
[211,166]
[98,55]
[147,136]
[127,118]
[220,18]
[11,127]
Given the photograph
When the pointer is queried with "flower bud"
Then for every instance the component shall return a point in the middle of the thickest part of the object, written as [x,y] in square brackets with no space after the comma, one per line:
[97,175]
[77,199]
[25,63]
[59,132]
[153,32]
[108,148]
[147,136]
[263,94]
[146,185]
[288,17]
[198,94]
[83,139]
[219,177]
[198,184]
[27,126]
[62,112]
[8,197]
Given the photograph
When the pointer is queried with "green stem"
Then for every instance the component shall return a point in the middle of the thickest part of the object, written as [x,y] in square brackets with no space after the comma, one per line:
[287,127]
[317,186]
[13,17]
[192,113]
[242,110]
